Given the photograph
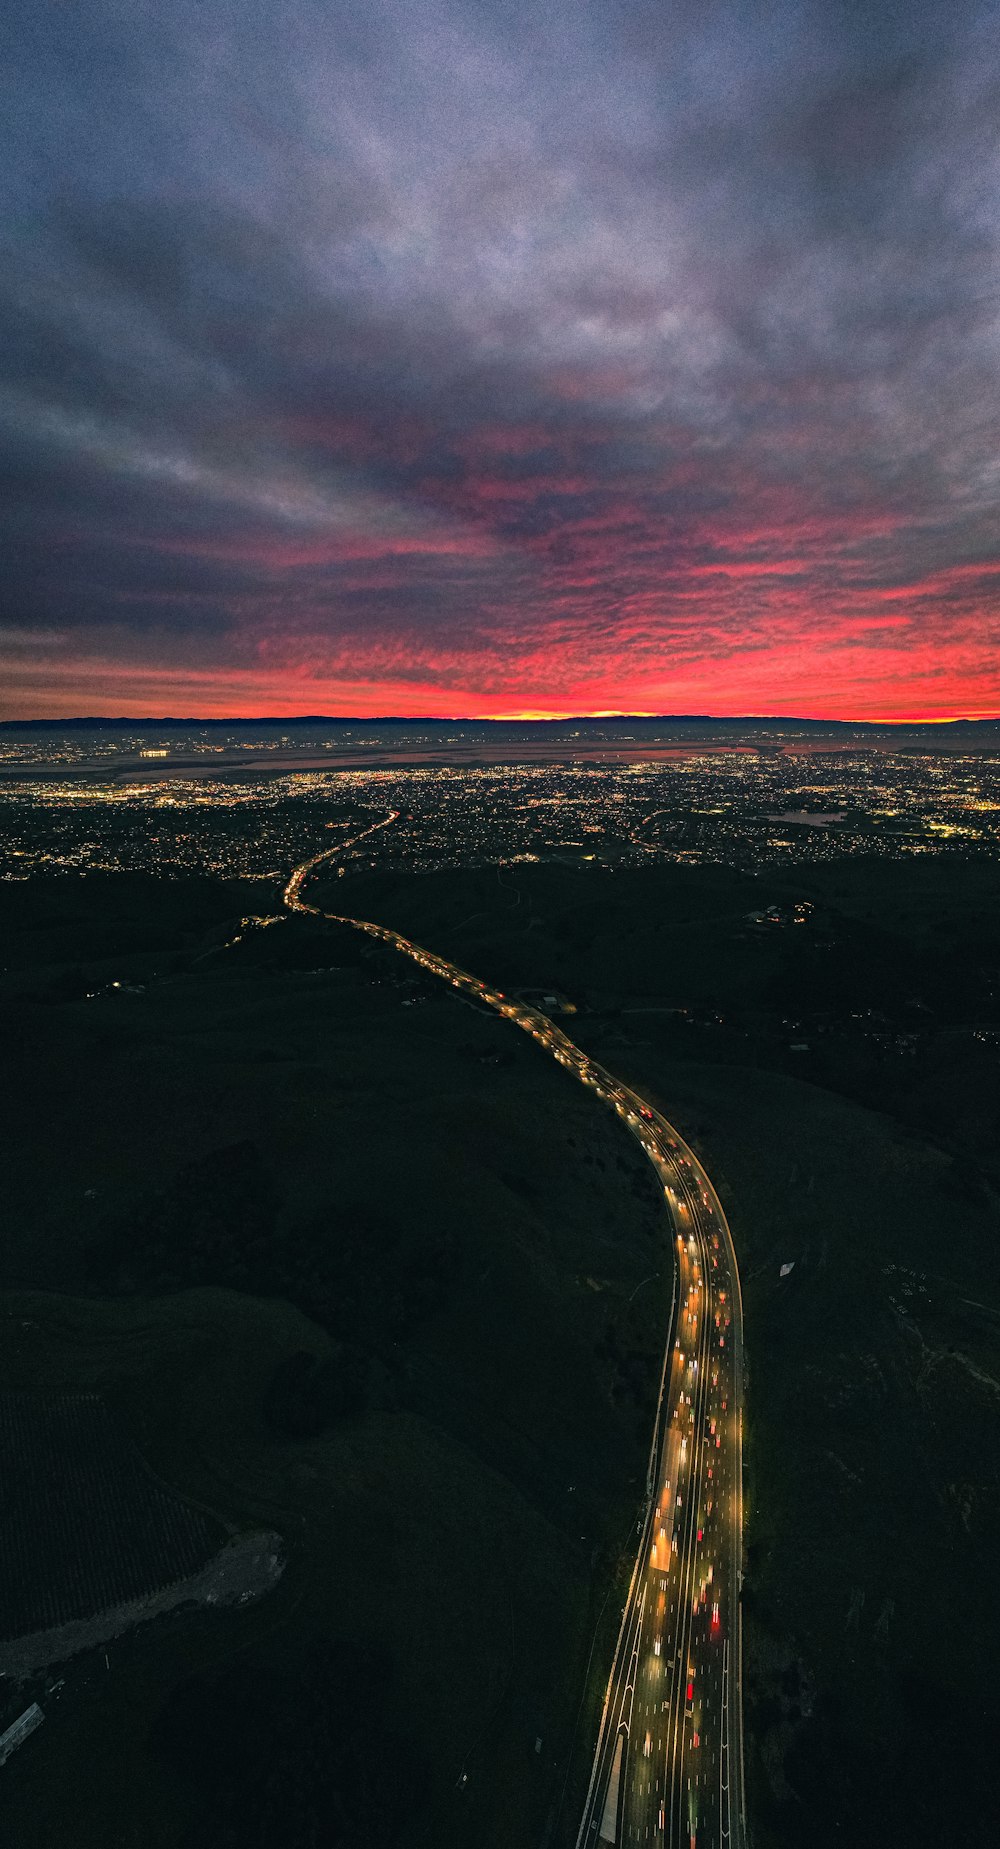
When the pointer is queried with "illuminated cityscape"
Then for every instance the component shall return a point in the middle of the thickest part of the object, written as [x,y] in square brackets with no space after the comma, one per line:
[730,806]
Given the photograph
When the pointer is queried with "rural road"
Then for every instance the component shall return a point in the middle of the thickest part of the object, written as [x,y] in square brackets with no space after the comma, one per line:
[668,1760]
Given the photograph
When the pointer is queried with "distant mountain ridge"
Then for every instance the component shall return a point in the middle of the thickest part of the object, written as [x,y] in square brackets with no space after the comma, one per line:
[107,723]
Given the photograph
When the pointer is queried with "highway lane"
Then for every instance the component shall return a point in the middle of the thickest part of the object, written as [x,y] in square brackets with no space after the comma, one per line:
[668,1760]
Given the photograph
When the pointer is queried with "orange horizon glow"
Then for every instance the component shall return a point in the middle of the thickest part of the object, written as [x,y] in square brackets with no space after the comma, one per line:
[469,711]
[282,663]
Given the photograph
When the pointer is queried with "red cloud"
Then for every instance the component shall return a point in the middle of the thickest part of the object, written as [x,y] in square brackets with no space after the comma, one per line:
[552,567]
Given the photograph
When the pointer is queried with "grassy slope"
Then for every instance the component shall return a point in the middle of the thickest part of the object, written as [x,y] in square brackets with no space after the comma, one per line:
[873,1398]
[874,1386]
[514,1448]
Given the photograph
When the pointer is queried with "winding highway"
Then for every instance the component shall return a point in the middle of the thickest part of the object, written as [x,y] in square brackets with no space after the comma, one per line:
[668,1760]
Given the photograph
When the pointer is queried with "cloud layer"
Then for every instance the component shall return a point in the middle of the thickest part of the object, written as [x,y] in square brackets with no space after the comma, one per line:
[490,359]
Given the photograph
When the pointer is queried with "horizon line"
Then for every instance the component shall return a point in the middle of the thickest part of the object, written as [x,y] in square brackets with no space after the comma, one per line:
[490,719]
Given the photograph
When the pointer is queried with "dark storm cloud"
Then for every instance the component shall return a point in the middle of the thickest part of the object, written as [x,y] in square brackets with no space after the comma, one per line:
[490,347]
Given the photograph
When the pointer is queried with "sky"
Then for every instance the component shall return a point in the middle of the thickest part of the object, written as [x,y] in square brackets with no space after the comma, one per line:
[490,358]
